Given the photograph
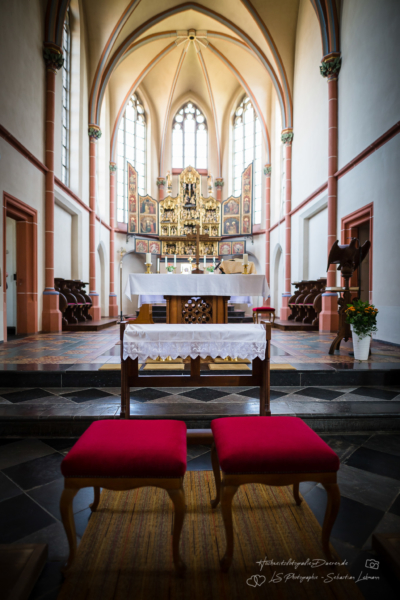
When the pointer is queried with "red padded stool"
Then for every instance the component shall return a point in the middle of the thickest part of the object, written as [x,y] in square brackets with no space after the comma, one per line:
[275,451]
[123,455]
[267,312]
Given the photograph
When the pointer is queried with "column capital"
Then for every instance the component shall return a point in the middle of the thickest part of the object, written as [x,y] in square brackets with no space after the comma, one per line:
[94,132]
[267,170]
[161,181]
[53,57]
[113,167]
[330,66]
[219,182]
[287,136]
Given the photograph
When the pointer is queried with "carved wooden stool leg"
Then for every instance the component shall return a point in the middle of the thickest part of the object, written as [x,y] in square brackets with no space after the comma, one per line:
[332,509]
[228,492]
[96,500]
[296,494]
[67,517]
[178,499]
[217,476]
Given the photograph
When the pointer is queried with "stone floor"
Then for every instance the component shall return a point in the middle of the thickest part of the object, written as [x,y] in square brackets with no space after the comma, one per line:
[369,479]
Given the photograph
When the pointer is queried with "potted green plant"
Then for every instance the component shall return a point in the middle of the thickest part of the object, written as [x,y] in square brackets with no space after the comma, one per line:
[362,319]
[210,270]
[170,269]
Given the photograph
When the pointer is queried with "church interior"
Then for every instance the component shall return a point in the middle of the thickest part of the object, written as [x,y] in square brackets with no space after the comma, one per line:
[210,191]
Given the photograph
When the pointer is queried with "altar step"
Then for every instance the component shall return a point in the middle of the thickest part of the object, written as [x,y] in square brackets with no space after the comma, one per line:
[234,316]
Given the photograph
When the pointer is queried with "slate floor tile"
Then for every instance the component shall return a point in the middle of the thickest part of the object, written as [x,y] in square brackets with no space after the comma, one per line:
[48,496]
[22,451]
[196,450]
[145,394]
[388,524]
[54,536]
[200,463]
[173,399]
[19,517]
[6,441]
[373,461]
[368,488]
[320,393]
[375,393]
[8,489]
[59,444]
[389,443]
[395,508]
[342,447]
[87,394]
[205,394]
[49,581]
[282,408]
[36,472]
[23,395]
[355,521]
[231,398]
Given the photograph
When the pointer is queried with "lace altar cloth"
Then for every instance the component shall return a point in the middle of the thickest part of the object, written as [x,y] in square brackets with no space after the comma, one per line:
[236,341]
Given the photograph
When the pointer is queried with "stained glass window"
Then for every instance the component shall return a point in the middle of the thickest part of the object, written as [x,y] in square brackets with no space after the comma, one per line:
[247,148]
[189,138]
[131,147]
[65,110]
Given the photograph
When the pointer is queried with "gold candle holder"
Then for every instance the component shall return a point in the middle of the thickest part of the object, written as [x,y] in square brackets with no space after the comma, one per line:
[245,269]
[148,268]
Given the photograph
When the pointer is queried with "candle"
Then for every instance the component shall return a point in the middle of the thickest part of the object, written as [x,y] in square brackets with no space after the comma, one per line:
[213,261]
[174,260]
[148,258]
[166,261]
[245,259]
[205,260]
[158,265]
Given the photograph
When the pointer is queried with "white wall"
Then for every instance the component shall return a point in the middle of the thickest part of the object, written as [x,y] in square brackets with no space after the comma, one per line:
[316,246]
[63,245]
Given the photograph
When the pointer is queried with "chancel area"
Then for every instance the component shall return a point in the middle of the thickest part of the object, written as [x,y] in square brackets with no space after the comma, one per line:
[199,328]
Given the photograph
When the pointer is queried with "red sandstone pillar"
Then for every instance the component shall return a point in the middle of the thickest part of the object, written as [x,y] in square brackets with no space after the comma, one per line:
[112,305]
[51,315]
[329,318]
[287,138]
[94,135]
[160,184]
[267,172]
[219,183]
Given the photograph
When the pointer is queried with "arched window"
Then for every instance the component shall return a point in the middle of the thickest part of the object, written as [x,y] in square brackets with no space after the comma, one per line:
[132,148]
[189,138]
[247,148]
[66,93]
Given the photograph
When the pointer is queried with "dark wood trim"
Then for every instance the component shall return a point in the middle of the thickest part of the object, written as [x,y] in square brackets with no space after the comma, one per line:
[6,135]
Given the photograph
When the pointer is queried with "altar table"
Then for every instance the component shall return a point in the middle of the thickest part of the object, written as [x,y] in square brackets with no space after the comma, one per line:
[139,342]
[211,292]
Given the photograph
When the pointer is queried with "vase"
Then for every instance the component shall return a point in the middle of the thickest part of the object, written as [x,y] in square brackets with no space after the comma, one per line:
[360,345]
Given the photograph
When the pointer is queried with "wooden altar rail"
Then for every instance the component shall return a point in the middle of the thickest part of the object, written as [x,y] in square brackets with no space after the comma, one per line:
[259,377]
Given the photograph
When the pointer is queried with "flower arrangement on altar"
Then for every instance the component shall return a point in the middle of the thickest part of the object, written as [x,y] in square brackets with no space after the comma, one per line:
[210,270]
[362,317]
[170,268]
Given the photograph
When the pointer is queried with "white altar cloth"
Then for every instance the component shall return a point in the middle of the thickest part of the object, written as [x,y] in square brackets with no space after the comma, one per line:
[149,299]
[196,285]
[236,341]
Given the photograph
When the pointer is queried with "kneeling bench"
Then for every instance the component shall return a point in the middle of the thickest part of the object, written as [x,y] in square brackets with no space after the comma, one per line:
[123,455]
[275,451]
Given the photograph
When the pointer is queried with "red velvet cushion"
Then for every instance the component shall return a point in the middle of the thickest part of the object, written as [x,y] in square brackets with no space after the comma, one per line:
[265,308]
[271,445]
[129,449]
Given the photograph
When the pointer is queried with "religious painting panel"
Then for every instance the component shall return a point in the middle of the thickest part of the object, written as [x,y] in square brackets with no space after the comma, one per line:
[142,246]
[154,247]
[238,247]
[148,224]
[224,248]
[247,199]
[132,199]
[231,206]
[148,215]
[230,225]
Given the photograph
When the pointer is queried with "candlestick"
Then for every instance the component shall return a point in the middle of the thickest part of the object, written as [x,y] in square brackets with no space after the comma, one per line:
[245,259]
[205,260]
[158,265]
[213,261]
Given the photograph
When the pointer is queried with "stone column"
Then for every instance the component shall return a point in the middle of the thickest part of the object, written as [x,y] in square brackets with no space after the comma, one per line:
[267,173]
[219,184]
[51,315]
[112,305]
[329,318]
[160,184]
[94,135]
[287,139]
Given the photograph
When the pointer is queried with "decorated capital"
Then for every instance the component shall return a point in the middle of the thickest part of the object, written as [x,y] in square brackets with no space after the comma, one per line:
[287,136]
[53,57]
[94,132]
[113,167]
[219,182]
[330,66]
[267,170]
[161,181]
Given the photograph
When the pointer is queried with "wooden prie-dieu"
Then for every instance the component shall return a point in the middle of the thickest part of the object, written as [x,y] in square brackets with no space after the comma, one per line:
[259,376]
